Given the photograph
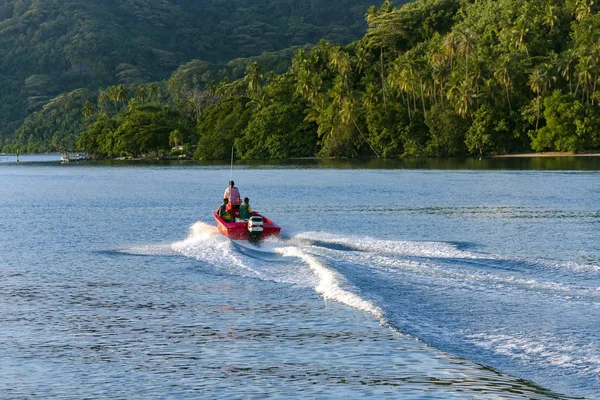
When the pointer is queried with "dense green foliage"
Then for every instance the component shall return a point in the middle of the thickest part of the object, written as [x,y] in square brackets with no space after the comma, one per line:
[438,78]
[55,127]
[432,78]
[133,122]
[49,47]
[449,77]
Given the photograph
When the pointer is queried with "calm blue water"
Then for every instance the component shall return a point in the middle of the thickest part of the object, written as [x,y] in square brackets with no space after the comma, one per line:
[388,283]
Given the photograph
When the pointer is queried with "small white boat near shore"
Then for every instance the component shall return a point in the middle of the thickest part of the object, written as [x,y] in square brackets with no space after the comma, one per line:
[68,157]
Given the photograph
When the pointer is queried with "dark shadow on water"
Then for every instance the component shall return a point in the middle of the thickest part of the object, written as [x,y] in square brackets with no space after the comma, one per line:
[465,245]
[331,246]
[581,163]
[129,253]
[516,387]
[489,163]
[256,253]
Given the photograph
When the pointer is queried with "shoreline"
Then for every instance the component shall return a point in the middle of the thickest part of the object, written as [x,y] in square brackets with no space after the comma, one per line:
[550,154]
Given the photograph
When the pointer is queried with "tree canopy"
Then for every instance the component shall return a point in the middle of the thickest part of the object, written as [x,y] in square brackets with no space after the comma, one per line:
[52,47]
[430,78]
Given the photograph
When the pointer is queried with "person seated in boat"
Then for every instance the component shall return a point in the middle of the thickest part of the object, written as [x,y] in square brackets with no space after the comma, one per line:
[224,211]
[245,210]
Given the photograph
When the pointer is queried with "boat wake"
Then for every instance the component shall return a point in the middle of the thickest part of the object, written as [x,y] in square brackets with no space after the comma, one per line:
[276,259]
[535,319]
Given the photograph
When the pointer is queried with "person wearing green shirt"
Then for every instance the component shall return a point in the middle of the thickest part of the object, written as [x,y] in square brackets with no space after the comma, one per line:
[245,209]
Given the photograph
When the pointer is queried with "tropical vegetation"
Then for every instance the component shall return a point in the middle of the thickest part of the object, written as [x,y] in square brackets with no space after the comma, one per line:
[50,48]
[430,78]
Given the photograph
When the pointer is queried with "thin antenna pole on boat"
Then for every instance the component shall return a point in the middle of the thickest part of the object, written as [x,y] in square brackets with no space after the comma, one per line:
[231,171]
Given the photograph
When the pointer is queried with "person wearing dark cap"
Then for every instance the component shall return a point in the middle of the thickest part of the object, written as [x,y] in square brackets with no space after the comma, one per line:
[245,209]
[233,194]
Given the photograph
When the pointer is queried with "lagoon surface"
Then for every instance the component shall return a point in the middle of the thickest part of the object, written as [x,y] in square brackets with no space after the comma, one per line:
[391,280]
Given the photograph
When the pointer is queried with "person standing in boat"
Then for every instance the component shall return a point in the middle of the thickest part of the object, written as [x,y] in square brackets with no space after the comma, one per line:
[245,210]
[233,194]
[224,212]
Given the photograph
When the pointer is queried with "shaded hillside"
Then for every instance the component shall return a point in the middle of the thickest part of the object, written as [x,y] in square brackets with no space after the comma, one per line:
[431,78]
[48,47]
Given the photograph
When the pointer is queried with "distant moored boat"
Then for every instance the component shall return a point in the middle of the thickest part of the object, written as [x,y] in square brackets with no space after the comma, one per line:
[68,157]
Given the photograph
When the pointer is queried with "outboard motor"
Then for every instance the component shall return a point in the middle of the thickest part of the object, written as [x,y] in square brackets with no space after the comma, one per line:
[255,228]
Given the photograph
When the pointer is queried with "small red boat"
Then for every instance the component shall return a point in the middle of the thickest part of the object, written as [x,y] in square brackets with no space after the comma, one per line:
[256,228]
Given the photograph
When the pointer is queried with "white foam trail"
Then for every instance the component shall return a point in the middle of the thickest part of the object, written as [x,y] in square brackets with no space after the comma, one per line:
[202,230]
[541,349]
[205,244]
[456,276]
[569,265]
[396,247]
[328,284]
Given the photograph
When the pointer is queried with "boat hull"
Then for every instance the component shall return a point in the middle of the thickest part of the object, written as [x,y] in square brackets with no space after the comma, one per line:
[239,230]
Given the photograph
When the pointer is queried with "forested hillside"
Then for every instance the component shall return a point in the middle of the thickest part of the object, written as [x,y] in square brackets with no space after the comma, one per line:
[432,78]
[50,47]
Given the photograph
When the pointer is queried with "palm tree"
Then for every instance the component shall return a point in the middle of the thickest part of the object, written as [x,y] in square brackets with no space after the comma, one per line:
[153,92]
[549,17]
[175,138]
[347,112]
[466,43]
[361,57]
[103,101]
[405,83]
[298,61]
[580,9]
[477,78]
[141,94]
[385,27]
[402,79]
[121,93]
[502,75]
[439,69]
[254,76]
[519,32]
[584,71]
[459,95]
[450,48]
[595,72]
[370,95]
[259,100]
[489,87]
[111,93]
[464,105]
[132,107]
[320,114]
[340,60]
[303,82]
[88,110]
[566,65]
[308,84]
[453,88]
[537,83]
[407,69]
